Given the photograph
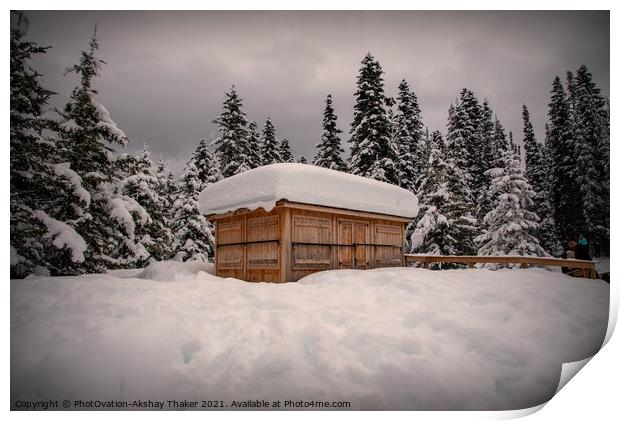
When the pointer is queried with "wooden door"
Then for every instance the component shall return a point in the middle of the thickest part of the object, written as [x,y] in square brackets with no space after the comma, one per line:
[352,249]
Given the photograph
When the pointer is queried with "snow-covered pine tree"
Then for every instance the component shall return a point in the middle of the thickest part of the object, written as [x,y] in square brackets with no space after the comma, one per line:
[566,199]
[537,175]
[500,144]
[232,147]
[372,155]
[459,134]
[329,149]
[193,235]
[47,197]
[255,159]
[591,141]
[270,148]
[510,227]
[444,224]
[166,188]
[142,184]
[285,151]
[408,137]
[87,136]
[302,160]
[512,144]
[206,164]
[484,202]
[474,142]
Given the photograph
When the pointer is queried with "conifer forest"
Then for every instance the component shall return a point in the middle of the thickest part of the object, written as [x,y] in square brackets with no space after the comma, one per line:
[81,204]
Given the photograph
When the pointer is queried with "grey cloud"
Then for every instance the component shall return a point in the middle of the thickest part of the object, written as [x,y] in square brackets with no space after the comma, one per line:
[167,71]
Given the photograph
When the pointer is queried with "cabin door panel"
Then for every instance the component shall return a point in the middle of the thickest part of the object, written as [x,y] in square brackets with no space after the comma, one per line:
[345,237]
[352,238]
[361,237]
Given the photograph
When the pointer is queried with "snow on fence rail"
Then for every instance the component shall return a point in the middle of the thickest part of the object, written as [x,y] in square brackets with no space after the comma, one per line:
[587,266]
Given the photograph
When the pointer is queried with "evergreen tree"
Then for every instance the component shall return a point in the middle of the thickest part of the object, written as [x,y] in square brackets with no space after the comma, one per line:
[193,235]
[232,148]
[536,173]
[143,185]
[206,164]
[444,224]
[285,151]
[516,149]
[565,197]
[372,154]
[511,225]
[88,136]
[329,149]
[485,203]
[255,159]
[500,144]
[47,197]
[270,148]
[166,188]
[591,141]
[302,160]
[474,142]
[408,137]
[460,132]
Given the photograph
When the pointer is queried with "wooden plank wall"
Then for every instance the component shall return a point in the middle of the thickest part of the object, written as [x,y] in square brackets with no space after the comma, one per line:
[287,244]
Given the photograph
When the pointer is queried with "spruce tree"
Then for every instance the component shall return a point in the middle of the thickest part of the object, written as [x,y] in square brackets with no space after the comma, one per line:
[142,185]
[565,195]
[88,136]
[206,164]
[329,150]
[537,175]
[500,144]
[302,160]
[285,151]
[484,203]
[591,141]
[516,149]
[270,148]
[408,137]
[444,224]
[511,225]
[167,189]
[372,154]
[255,159]
[193,234]
[232,147]
[47,197]
[459,135]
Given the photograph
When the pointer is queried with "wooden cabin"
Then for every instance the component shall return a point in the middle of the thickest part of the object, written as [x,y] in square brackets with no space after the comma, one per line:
[279,228]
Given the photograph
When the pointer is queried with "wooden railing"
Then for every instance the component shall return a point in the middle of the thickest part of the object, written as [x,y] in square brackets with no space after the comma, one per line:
[588,269]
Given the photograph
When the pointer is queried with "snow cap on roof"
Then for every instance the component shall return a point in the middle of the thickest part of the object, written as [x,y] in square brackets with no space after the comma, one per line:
[262,187]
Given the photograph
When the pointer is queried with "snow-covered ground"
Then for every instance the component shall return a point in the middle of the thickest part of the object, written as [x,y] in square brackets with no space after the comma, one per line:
[397,338]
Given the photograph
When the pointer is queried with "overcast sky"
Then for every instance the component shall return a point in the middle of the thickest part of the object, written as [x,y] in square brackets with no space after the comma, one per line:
[167,72]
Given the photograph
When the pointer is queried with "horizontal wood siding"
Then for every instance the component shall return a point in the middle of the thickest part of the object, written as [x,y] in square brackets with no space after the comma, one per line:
[291,242]
[263,256]
[389,240]
[230,254]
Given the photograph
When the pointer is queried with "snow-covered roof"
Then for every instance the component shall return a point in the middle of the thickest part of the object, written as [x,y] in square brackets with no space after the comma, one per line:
[264,186]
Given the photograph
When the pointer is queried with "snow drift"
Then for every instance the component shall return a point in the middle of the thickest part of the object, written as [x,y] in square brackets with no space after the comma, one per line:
[397,338]
[264,186]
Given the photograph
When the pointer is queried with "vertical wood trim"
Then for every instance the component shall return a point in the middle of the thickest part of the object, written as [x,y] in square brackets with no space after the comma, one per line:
[403,230]
[244,236]
[286,247]
[215,253]
[335,240]
[371,239]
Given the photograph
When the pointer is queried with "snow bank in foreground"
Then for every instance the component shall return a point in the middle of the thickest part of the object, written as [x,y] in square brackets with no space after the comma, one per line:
[173,270]
[264,186]
[383,339]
